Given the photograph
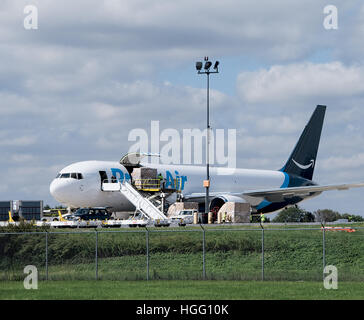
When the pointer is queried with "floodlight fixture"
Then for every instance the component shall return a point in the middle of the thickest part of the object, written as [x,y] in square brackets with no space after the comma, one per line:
[208,65]
[198,65]
[216,65]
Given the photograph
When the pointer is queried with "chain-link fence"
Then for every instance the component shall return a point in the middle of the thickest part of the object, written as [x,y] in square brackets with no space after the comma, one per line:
[230,253]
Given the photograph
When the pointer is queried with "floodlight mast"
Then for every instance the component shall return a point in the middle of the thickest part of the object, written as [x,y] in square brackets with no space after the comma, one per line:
[206,184]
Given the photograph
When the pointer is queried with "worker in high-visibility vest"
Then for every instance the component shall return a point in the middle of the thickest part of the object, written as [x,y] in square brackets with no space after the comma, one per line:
[262,218]
[161,181]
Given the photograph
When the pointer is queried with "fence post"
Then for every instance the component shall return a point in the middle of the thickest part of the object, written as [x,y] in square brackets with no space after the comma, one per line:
[46,254]
[147,245]
[96,257]
[203,252]
[262,251]
[323,249]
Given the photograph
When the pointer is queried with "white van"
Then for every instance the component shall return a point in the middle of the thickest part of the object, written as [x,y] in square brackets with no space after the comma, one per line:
[184,217]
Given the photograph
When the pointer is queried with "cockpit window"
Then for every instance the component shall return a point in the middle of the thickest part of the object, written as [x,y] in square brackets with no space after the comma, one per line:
[73,175]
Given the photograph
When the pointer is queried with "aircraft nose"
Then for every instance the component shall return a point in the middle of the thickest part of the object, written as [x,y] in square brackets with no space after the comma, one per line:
[58,190]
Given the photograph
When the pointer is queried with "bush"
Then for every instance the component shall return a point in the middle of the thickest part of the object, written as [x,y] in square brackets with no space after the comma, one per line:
[24,226]
[327,215]
[352,217]
[294,214]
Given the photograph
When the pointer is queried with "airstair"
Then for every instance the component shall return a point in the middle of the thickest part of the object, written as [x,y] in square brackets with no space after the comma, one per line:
[149,206]
[141,203]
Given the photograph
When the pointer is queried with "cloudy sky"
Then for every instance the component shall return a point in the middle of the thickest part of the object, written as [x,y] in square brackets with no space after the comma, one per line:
[74,88]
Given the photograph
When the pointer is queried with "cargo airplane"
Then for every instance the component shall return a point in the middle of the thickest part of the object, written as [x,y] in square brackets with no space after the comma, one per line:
[80,184]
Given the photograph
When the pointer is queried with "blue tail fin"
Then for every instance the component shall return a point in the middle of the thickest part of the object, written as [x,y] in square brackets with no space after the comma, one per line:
[302,160]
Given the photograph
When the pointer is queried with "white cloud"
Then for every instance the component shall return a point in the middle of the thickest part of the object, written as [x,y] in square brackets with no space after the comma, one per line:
[21,141]
[73,89]
[23,157]
[283,124]
[281,83]
[339,163]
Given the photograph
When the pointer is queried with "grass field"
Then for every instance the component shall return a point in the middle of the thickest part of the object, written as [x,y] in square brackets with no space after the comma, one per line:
[181,290]
[289,255]
[293,264]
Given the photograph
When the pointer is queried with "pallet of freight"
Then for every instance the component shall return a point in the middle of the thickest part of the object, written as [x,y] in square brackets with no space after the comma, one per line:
[145,177]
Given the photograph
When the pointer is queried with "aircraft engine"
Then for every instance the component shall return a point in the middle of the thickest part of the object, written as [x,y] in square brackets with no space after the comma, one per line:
[218,201]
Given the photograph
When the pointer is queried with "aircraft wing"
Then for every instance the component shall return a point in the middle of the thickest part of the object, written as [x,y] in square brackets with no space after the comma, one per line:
[281,194]
[277,195]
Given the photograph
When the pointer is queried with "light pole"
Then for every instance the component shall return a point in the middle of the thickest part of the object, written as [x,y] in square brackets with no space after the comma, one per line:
[207,71]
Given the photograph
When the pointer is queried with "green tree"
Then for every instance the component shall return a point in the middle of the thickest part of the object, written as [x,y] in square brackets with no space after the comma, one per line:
[291,214]
[357,218]
[327,215]
[352,217]
[308,217]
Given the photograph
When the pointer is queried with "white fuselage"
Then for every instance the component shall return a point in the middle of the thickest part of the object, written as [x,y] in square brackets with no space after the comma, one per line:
[82,188]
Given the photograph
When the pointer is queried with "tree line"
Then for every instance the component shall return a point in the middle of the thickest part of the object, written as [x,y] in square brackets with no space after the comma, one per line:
[297,214]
